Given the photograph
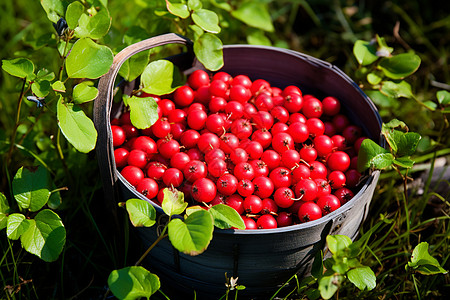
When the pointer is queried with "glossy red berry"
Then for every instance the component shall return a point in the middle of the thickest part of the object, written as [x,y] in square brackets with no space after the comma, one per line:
[203,190]
[309,211]
[266,222]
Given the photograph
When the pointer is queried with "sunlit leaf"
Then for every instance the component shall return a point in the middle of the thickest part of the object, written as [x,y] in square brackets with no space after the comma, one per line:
[443,97]
[4,210]
[19,67]
[143,111]
[207,20]
[161,77]
[54,8]
[209,51]
[178,9]
[337,243]
[363,278]
[423,262]
[255,14]
[226,217]
[31,187]
[41,88]
[373,156]
[16,225]
[73,14]
[365,52]
[173,202]
[141,213]
[133,283]
[399,66]
[328,285]
[84,92]
[396,90]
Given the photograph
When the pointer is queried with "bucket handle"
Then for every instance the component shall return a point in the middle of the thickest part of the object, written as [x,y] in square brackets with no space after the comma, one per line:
[103,103]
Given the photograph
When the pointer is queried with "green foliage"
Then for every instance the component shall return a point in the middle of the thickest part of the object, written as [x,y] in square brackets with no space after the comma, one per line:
[133,283]
[423,263]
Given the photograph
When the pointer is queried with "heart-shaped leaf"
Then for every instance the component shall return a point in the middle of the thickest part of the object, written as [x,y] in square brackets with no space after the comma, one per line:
[178,9]
[19,67]
[45,236]
[161,77]
[73,14]
[16,225]
[207,20]
[173,202]
[255,14]
[365,52]
[78,129]
[31,187]
[133,283]
[192,236]
[400,66]
[59,86]
[141,212]
[84,92]
[226,217]
[88,59]
[208,49]
[363,278]
[373,156]
[143,111]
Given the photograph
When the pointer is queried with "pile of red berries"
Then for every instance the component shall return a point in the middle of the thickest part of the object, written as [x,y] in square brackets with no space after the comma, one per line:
[276,156]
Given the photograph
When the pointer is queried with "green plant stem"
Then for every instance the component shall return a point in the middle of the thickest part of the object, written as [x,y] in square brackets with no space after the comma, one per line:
[416,287]
[161,236]
[16,125]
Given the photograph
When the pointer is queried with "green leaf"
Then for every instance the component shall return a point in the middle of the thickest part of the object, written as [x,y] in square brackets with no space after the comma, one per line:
[44,74]
[161,77]
[73,14]
[374,78]
[88,60]
[226,217]
[222,4]
[194,4]
[94,27]
[178,9]
[380,99]
[141,212]
[41,88]
[208,49]
[18,67]
[257,37]
[173,202]
[54,8]
[394,123]
[135,65]
[407,144]
[4,210]
[443,97]
[396,90]
[59,86]
[135,34]
[328,285]
[143,111]
[78,129]
[192,236]
[317,266]
[431,105]
[399,66]
[337,243]
[133,283]
[84,92]
[255,14]
[373,156]
[365,52]
[207,20]
[363,278]
[54,201]
[45,237]
[383,48]
[404,162]
[16,225]
[31,187]
[423,262]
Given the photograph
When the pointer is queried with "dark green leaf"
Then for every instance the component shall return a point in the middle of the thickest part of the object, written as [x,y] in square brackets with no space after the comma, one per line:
[133,283]
[46,236]
[19,67]
[178,9]
[135,34]
[400,66]
[135,65]
[207,20]
[317,266]
[255,14]
[54,201]
[16,225]
[226,217]
[84,92]
[371,155]
[143,111]
[396,90]
[73,14]
[337,243]
[328,285]
[88,59]
[4,210]
[141,213]
[161,77]
[192,236]
[407,144]
[31,187]
[173,202]
[363,278]
[208,49]
[78,129]
[41,88]
[365,52]
[443,97]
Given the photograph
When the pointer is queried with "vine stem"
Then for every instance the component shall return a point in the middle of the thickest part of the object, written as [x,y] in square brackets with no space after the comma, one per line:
[16,125]
[161,236]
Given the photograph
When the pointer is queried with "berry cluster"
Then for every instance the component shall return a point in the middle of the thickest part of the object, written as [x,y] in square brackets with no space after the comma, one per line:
[276,156]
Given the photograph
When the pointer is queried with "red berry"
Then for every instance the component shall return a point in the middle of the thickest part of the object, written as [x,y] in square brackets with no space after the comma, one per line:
[203,190]
[309,211]
[118,135]
[198,78]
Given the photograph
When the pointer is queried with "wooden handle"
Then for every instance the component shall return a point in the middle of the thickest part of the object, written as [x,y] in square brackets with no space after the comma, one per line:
[103,103]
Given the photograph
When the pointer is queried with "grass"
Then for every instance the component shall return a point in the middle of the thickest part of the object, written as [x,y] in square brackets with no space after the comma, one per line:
[96,245]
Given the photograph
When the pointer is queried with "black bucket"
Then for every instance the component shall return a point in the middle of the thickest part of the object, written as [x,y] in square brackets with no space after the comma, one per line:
[261,259]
